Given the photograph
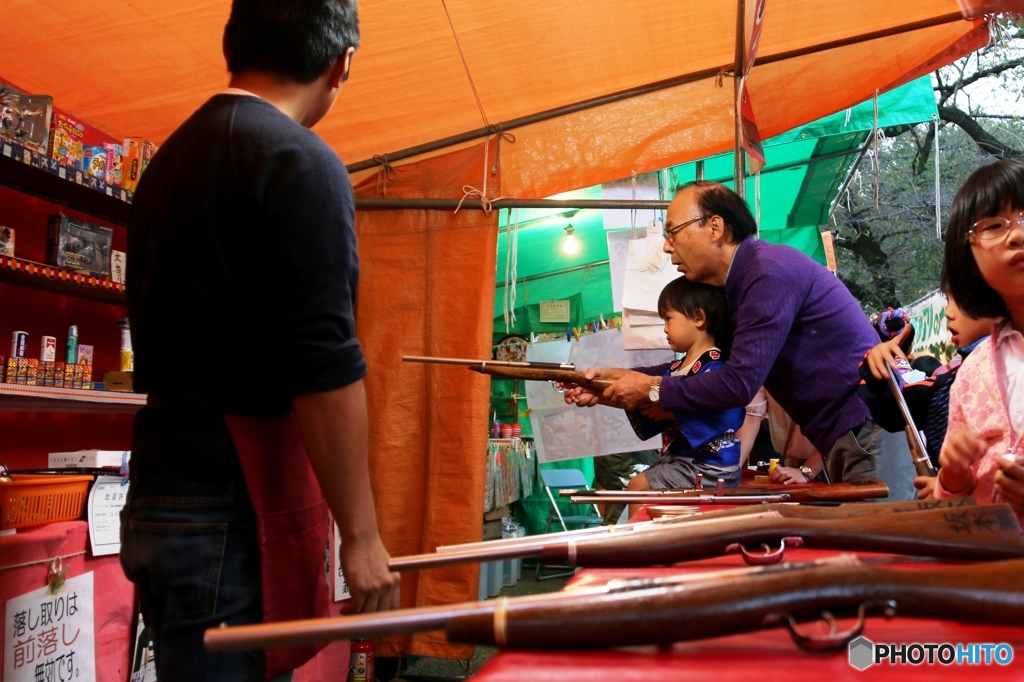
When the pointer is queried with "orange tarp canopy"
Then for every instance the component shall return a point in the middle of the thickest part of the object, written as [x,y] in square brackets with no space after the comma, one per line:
[140,68]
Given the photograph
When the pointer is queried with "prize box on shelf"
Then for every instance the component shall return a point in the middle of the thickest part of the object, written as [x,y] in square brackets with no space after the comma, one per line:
[79,245]
[27,500]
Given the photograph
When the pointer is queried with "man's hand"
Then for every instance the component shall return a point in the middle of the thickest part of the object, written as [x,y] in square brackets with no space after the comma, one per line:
[372,585]
[886,353]
[630,391]
[1010,483]
[585,397]
[787,475]
[925,487]
[959,452]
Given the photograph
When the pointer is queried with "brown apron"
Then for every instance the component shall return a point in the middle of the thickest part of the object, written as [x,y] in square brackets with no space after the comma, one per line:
[292,523]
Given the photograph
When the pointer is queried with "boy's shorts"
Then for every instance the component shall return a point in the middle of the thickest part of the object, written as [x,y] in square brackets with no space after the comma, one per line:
[679,473]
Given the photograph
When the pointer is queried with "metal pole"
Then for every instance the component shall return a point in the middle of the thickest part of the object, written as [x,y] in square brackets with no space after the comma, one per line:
[556,272]
[645,89]
[738,171]
[452,204]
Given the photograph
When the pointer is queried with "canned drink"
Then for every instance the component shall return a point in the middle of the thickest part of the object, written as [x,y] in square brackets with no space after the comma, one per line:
[19,344]
[361,661]
[48,348]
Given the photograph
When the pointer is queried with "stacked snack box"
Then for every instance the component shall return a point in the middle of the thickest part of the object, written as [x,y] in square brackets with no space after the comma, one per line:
[66,139]
[94,161]
[6,241]
[114,163]
[137,153]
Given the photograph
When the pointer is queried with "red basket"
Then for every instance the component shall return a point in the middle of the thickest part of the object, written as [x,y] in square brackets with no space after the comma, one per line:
[37,500]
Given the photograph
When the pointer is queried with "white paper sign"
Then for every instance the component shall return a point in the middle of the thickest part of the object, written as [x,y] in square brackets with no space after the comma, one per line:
[554,311]
[106,499]
[339,588]
[50,636]
[648,271]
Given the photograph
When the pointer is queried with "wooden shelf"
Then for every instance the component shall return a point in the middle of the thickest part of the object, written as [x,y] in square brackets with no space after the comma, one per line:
[22,398]
[39,175]
[34,275]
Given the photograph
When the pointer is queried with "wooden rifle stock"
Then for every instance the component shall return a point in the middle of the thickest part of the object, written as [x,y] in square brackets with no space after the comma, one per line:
[565,376]
[843,511]
[660,612]
[803,492]
[981,533]
[834,527]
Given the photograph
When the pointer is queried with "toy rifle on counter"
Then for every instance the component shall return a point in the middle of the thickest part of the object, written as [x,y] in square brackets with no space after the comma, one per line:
[986,533]
[687,607]
[813,492]
[564,372]
[922,463]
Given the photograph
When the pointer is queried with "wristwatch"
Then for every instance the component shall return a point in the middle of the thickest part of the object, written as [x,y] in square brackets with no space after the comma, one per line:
[808,474]
[655,393]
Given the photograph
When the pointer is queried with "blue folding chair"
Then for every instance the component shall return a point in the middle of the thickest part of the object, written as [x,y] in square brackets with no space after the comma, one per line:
[559,479]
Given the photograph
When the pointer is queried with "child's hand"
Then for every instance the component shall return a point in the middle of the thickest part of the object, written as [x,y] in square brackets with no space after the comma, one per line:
[884,354]
[787,475]
[960,451]
[925,487]
[1010,483]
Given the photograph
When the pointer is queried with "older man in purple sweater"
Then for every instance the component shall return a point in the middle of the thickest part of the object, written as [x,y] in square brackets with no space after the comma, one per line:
[798,332]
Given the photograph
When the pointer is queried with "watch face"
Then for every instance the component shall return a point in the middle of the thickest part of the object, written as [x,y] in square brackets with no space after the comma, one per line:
[654,395]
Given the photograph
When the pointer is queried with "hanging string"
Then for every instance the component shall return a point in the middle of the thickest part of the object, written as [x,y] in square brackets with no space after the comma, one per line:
[586,273]
[938,191]
[384,173]
[470,191]
[499,135]
[511,268]
[757,201]
[632,211]
[874,147]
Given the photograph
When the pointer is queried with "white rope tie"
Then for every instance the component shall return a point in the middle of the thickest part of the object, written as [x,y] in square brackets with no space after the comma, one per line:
[938,191]
[757,200]
[632,211]
[468,191]
[874,147]
[511,266]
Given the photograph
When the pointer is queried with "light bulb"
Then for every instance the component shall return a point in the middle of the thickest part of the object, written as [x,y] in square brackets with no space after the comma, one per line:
[569,244]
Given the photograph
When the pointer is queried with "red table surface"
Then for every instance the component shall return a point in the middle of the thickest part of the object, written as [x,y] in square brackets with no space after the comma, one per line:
[764,655]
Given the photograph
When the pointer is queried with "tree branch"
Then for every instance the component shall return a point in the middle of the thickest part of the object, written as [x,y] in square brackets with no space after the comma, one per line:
[987,142]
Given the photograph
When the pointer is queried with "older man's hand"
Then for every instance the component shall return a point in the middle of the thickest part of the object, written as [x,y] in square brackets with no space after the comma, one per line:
[630,391]
[586,397]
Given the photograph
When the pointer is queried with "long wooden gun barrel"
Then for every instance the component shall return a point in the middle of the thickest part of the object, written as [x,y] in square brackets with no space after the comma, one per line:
[565,373]
[835,492]
[428,618]
[981,533]
[832,528]
[662,613]
[922,463]
[514,548]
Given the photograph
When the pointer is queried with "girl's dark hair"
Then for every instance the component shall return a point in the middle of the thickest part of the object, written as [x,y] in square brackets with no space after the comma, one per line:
[297,39]
[988,191]
[686,297]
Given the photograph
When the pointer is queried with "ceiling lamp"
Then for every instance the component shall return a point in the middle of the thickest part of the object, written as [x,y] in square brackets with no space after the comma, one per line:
[570,245]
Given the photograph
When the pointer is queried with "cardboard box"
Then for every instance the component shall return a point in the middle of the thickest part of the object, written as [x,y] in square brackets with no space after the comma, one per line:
[87,459]
[25,118]
[118,381]
[66,140]
[136,155]
[115,163]
[6,241]
[77,244]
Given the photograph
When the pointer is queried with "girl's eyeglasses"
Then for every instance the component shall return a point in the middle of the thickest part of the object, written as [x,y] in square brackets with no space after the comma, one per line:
[995,227]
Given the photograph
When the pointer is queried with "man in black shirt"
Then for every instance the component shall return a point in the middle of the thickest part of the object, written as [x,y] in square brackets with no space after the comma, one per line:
[241,293]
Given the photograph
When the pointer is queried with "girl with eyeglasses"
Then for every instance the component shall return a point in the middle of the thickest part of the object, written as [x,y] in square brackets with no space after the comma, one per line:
[983,453]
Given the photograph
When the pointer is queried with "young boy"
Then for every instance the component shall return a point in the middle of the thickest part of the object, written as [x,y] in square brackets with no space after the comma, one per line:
[697,324]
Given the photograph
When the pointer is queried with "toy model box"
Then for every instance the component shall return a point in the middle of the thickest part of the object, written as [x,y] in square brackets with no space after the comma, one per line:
[66,140]
[25,118]
[113,173]
[87,459]
[137,154]
[6,241]
[79,245]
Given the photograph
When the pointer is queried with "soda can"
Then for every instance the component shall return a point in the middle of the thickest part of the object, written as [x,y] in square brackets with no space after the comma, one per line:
[71,351]
[48,348]
[19,344]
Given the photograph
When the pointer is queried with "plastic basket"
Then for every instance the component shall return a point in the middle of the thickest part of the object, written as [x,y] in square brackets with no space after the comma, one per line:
[37,500]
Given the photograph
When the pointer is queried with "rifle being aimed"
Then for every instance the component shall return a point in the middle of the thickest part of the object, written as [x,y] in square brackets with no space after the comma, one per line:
[662,611]
[986,532]
[564,372]
[835,492]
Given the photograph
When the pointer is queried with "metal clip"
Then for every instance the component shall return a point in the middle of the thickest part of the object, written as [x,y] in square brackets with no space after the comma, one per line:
[834,640]
[770,556]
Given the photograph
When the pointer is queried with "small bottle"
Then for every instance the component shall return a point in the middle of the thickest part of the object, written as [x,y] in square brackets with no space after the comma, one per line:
[71,354]
[361,661]
[127,358]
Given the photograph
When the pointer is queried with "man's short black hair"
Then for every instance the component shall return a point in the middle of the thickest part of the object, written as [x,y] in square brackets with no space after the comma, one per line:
[686,297]
[987,191]
[714,198]
[297,39]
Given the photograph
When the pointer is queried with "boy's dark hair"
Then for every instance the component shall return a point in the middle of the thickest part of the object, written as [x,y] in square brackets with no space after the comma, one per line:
[987,192]
[297,39]
[714,198]
[925,363]
[686,297]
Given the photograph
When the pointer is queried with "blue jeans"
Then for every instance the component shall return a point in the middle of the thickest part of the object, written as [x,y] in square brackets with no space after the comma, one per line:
[191,549]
